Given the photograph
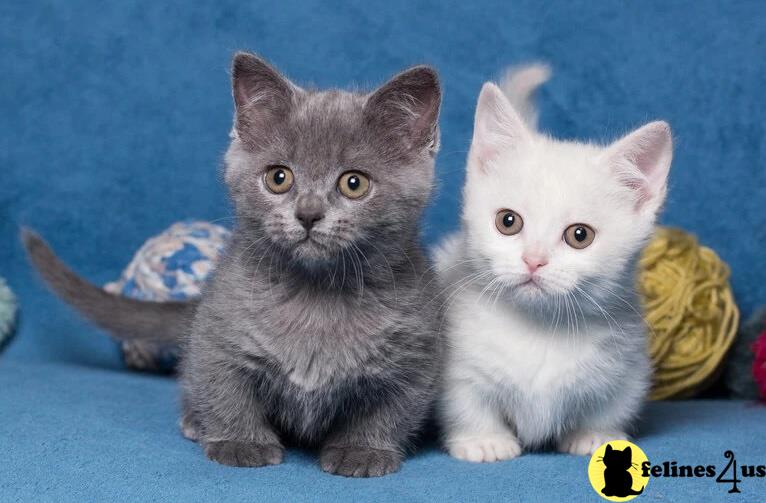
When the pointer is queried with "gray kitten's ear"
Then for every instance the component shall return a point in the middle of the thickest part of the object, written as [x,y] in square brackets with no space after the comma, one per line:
[261,94]
[406,108]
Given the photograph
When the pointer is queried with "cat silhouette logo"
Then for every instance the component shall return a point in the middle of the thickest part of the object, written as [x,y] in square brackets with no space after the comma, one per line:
[615,471]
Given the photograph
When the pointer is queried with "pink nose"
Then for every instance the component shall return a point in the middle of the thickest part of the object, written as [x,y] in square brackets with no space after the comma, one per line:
[534,262]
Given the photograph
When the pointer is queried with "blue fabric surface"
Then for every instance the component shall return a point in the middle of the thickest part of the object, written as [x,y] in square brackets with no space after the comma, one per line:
[114,116]
[94,434]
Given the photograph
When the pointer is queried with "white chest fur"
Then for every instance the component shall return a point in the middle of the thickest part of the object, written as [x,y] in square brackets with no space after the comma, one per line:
[523,365]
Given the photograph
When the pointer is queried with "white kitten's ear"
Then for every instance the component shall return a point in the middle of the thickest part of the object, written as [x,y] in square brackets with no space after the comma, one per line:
[642,160]
[497,126]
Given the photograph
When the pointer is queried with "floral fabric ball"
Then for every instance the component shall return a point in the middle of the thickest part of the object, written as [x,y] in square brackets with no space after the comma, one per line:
[174,264]
[759,364]
[171,266]
[745,373]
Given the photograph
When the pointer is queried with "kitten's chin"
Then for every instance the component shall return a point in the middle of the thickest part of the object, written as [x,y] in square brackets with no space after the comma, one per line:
[536,294]
[525,294]
[530,292]
[312,254]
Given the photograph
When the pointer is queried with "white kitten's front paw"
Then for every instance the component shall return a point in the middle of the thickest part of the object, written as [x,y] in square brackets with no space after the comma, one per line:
[584,443]
[485,449]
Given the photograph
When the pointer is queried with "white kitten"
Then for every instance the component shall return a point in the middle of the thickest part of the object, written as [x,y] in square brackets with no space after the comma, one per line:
[546,340]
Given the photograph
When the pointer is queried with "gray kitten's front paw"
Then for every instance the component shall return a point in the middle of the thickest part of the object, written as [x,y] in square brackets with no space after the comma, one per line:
[149,356]
[351,461]
[231,453]
[189,427]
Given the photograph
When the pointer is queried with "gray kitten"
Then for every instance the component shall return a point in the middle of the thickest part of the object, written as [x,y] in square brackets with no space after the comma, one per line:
[316,327]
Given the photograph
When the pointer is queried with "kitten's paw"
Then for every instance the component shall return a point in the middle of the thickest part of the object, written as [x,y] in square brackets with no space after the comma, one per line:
[189,427]
[233,453]
[353,461]
[149,356]
[486,449]
[584,443]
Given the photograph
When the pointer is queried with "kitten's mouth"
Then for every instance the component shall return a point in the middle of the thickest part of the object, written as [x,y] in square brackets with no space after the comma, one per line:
[310,242]
[312,250]
[531,282]
[531,286]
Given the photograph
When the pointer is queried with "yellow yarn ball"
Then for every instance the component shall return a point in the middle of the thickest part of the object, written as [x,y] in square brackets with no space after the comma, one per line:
[690,310]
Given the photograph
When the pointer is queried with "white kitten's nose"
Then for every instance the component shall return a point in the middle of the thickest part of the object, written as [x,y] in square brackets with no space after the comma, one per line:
[534,261]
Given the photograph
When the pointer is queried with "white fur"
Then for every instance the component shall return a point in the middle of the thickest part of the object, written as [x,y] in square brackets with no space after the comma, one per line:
[520,85]
[558,355]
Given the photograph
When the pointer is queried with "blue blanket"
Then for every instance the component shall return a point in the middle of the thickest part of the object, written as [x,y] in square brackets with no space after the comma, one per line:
[113,119]
[87,433]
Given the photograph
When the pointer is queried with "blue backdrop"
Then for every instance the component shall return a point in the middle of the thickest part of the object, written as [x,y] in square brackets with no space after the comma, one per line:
[114,115]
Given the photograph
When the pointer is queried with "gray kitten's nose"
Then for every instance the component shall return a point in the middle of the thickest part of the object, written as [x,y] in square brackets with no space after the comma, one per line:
[309,210]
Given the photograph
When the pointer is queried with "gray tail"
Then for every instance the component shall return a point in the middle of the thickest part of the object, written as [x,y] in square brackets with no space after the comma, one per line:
[124,318]
[520,84]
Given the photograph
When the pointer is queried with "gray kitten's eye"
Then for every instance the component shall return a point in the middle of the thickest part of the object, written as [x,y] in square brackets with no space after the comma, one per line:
[579,236]
[353,184]
[508,222]
[279,179]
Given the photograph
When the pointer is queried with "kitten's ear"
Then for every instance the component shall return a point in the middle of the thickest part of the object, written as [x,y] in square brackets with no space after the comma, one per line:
[642,160]
[628,451]
[407,109]
[497,126]
[608,448]
[261,94]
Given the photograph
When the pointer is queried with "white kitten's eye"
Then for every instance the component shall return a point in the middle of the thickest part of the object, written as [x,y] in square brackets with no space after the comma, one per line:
[508,222]
[579,236]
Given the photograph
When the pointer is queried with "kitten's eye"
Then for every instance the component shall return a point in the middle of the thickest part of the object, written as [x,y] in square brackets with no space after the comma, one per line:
[579,236]
[279,179]
[353,184]
[508,222]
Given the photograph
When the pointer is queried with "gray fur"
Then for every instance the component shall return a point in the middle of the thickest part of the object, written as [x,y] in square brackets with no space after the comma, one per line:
[328,341]
[127,319]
